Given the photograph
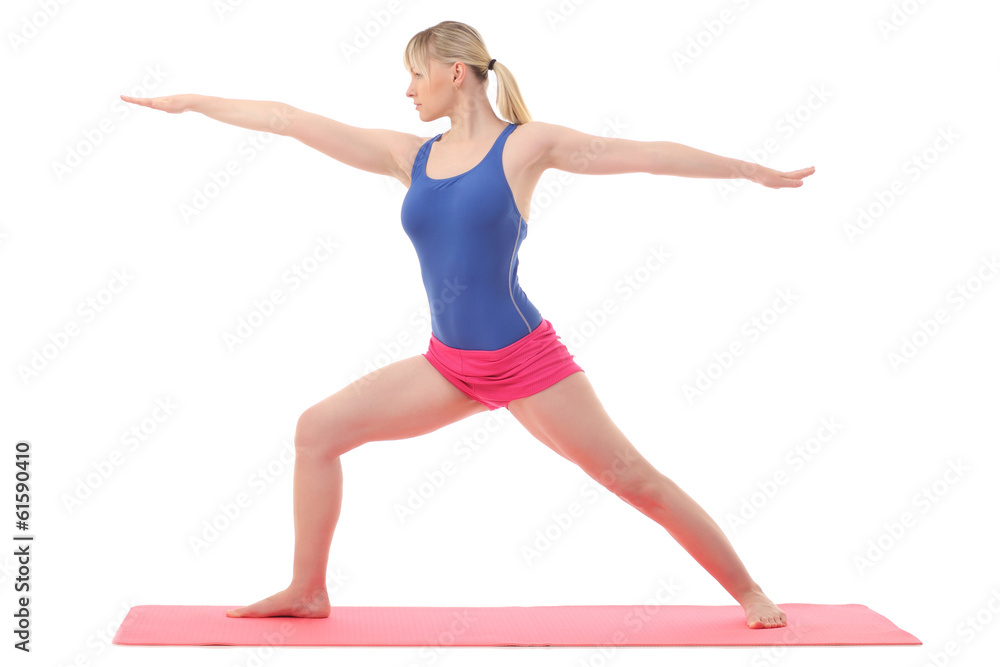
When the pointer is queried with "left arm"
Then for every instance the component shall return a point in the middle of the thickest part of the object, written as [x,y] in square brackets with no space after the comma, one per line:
[568,150]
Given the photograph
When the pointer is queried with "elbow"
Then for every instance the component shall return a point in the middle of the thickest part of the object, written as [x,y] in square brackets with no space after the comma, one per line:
[283,119]
[655,160]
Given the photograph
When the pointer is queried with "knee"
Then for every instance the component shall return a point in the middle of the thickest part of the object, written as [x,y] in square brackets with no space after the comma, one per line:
[306,431]
[314,436]
[641,487]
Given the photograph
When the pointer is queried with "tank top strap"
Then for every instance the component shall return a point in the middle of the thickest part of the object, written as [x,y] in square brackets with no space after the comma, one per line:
[494,160]
[418,162]
[496,156]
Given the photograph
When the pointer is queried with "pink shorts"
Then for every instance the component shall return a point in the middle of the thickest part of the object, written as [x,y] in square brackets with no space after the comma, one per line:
[497,377]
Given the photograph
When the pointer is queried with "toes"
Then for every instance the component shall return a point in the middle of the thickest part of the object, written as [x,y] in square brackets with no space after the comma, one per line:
[241,612]
[759,622]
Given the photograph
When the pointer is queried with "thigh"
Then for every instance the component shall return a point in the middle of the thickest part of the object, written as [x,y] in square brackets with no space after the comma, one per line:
[569,418]
[403,399]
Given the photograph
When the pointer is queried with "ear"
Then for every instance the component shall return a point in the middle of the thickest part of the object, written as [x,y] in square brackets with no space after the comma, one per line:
[458,71]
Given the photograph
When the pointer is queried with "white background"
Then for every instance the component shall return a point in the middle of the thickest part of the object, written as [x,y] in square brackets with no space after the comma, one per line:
[603,68]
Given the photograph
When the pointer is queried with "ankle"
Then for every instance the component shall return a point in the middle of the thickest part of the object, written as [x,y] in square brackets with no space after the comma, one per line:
[751,592]
[313,587]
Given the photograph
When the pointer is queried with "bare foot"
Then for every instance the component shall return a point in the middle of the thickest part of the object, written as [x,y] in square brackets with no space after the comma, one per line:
[761,612]
[312,603]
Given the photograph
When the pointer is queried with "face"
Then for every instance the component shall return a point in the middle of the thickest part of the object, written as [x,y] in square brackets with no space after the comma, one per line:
[435,91]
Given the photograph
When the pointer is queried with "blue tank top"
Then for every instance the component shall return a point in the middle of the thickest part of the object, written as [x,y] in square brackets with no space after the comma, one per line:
[467,230]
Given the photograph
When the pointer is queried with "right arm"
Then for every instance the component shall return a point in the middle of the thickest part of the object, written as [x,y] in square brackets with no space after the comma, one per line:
[385,152]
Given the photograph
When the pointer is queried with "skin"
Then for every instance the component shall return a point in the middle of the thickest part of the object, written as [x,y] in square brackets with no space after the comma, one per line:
[410,397]
[455,92]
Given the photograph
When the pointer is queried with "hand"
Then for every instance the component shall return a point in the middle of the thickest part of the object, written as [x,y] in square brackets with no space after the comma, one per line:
[171,104]
[775,179]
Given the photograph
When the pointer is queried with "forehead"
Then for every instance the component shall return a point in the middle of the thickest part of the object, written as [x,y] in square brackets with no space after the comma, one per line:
[428,61]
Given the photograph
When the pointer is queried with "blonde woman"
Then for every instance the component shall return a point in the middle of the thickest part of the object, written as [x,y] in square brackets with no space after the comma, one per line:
[490,347]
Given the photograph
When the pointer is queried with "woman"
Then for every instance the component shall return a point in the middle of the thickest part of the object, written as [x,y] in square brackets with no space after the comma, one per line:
[489,347]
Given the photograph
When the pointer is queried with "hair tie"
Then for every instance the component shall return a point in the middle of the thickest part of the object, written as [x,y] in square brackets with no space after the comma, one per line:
[490,66]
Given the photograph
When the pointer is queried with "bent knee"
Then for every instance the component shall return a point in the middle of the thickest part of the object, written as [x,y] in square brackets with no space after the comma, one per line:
[318,435]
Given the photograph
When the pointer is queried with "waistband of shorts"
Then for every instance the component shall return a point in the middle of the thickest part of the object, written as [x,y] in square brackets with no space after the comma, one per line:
[545,327]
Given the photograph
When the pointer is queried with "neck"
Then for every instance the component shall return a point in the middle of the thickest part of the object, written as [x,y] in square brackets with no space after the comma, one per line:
[473,123]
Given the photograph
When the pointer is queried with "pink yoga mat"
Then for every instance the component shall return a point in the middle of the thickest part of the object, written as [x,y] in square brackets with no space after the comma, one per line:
[604,625]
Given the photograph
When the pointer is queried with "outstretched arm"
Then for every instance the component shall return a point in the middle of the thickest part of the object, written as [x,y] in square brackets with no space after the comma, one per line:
[384,152]
[568,150]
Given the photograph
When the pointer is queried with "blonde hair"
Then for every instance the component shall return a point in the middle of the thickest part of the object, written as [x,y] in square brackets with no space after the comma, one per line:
[452,41]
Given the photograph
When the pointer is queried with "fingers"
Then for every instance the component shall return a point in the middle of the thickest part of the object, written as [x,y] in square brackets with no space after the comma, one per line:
[143,101]
[793,179]
[800,173]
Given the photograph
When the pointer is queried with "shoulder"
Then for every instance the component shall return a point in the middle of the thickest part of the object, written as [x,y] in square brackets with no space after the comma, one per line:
[533,141]
[408,144]
[404,149]
[547,140]
[533,131]
[566,149]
